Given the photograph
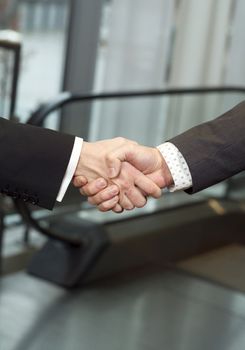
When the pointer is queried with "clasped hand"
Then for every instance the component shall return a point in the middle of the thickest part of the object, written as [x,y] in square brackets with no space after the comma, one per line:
[120,174]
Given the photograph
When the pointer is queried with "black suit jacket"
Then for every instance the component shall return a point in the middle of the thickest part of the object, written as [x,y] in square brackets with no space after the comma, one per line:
[33,162]
[214,151]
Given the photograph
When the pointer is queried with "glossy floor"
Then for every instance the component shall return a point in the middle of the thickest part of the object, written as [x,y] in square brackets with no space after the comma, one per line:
[162,309]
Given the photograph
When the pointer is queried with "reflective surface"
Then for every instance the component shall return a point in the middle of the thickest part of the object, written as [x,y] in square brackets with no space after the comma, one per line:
[149,310]
[42,26]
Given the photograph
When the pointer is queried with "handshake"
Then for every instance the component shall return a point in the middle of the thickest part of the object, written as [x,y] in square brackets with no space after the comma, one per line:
[119,174]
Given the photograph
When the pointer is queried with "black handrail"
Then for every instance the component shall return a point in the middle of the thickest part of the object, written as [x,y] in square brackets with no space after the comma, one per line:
[25,213]
[64,98]
[16,48]
[37,118]
[1,238]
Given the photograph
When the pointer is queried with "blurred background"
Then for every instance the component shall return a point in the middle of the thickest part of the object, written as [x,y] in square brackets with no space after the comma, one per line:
[166,276]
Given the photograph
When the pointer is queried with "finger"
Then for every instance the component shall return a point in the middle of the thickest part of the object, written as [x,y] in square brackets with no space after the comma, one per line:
[158,177]
[82,192]
[125,202]
[108,205]
[116,157]
[136,197]
[104,195]
[93,187]
[148,186]
[117,209]
[79,181]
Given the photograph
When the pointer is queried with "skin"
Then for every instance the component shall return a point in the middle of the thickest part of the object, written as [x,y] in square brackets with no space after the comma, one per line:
[133,185]
[110,195]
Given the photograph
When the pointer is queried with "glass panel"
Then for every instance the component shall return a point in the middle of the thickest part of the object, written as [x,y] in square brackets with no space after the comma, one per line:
[7,59]
[166,117]
[43,25]
[153,44]
[150,120]
[135,44]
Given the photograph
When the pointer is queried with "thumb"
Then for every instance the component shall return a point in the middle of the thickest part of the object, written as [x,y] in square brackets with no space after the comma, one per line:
[114,160]
[79,181]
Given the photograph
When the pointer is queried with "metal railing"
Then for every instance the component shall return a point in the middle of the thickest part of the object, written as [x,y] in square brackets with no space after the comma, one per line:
[39,116]
[66,98]
[10,55]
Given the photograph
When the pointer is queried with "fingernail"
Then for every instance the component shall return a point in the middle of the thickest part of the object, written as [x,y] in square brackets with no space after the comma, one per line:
[101,183]
[112,172]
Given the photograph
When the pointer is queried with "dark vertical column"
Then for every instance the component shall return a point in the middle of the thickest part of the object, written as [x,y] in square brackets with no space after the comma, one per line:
[15,79]
[83,35]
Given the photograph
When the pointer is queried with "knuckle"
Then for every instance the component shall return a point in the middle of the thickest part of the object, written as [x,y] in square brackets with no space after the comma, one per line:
[127,186]
[109,157]
[129,190]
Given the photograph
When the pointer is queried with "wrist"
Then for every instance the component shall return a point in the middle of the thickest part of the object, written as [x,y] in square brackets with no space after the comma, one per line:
[85,158]
[91,162]
[79,171]
[169,181]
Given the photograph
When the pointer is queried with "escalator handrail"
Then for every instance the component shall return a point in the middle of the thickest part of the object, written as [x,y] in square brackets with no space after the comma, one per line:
[38,117]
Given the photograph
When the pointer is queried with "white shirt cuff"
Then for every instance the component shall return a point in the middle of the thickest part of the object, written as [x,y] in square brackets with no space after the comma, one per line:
[177,165]
[71,168]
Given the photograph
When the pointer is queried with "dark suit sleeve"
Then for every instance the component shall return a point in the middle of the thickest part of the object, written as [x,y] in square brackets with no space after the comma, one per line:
[33,162]
[214,151]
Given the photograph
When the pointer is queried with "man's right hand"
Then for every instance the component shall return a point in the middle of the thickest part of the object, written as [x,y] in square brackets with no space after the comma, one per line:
[95,162]
[147,160]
